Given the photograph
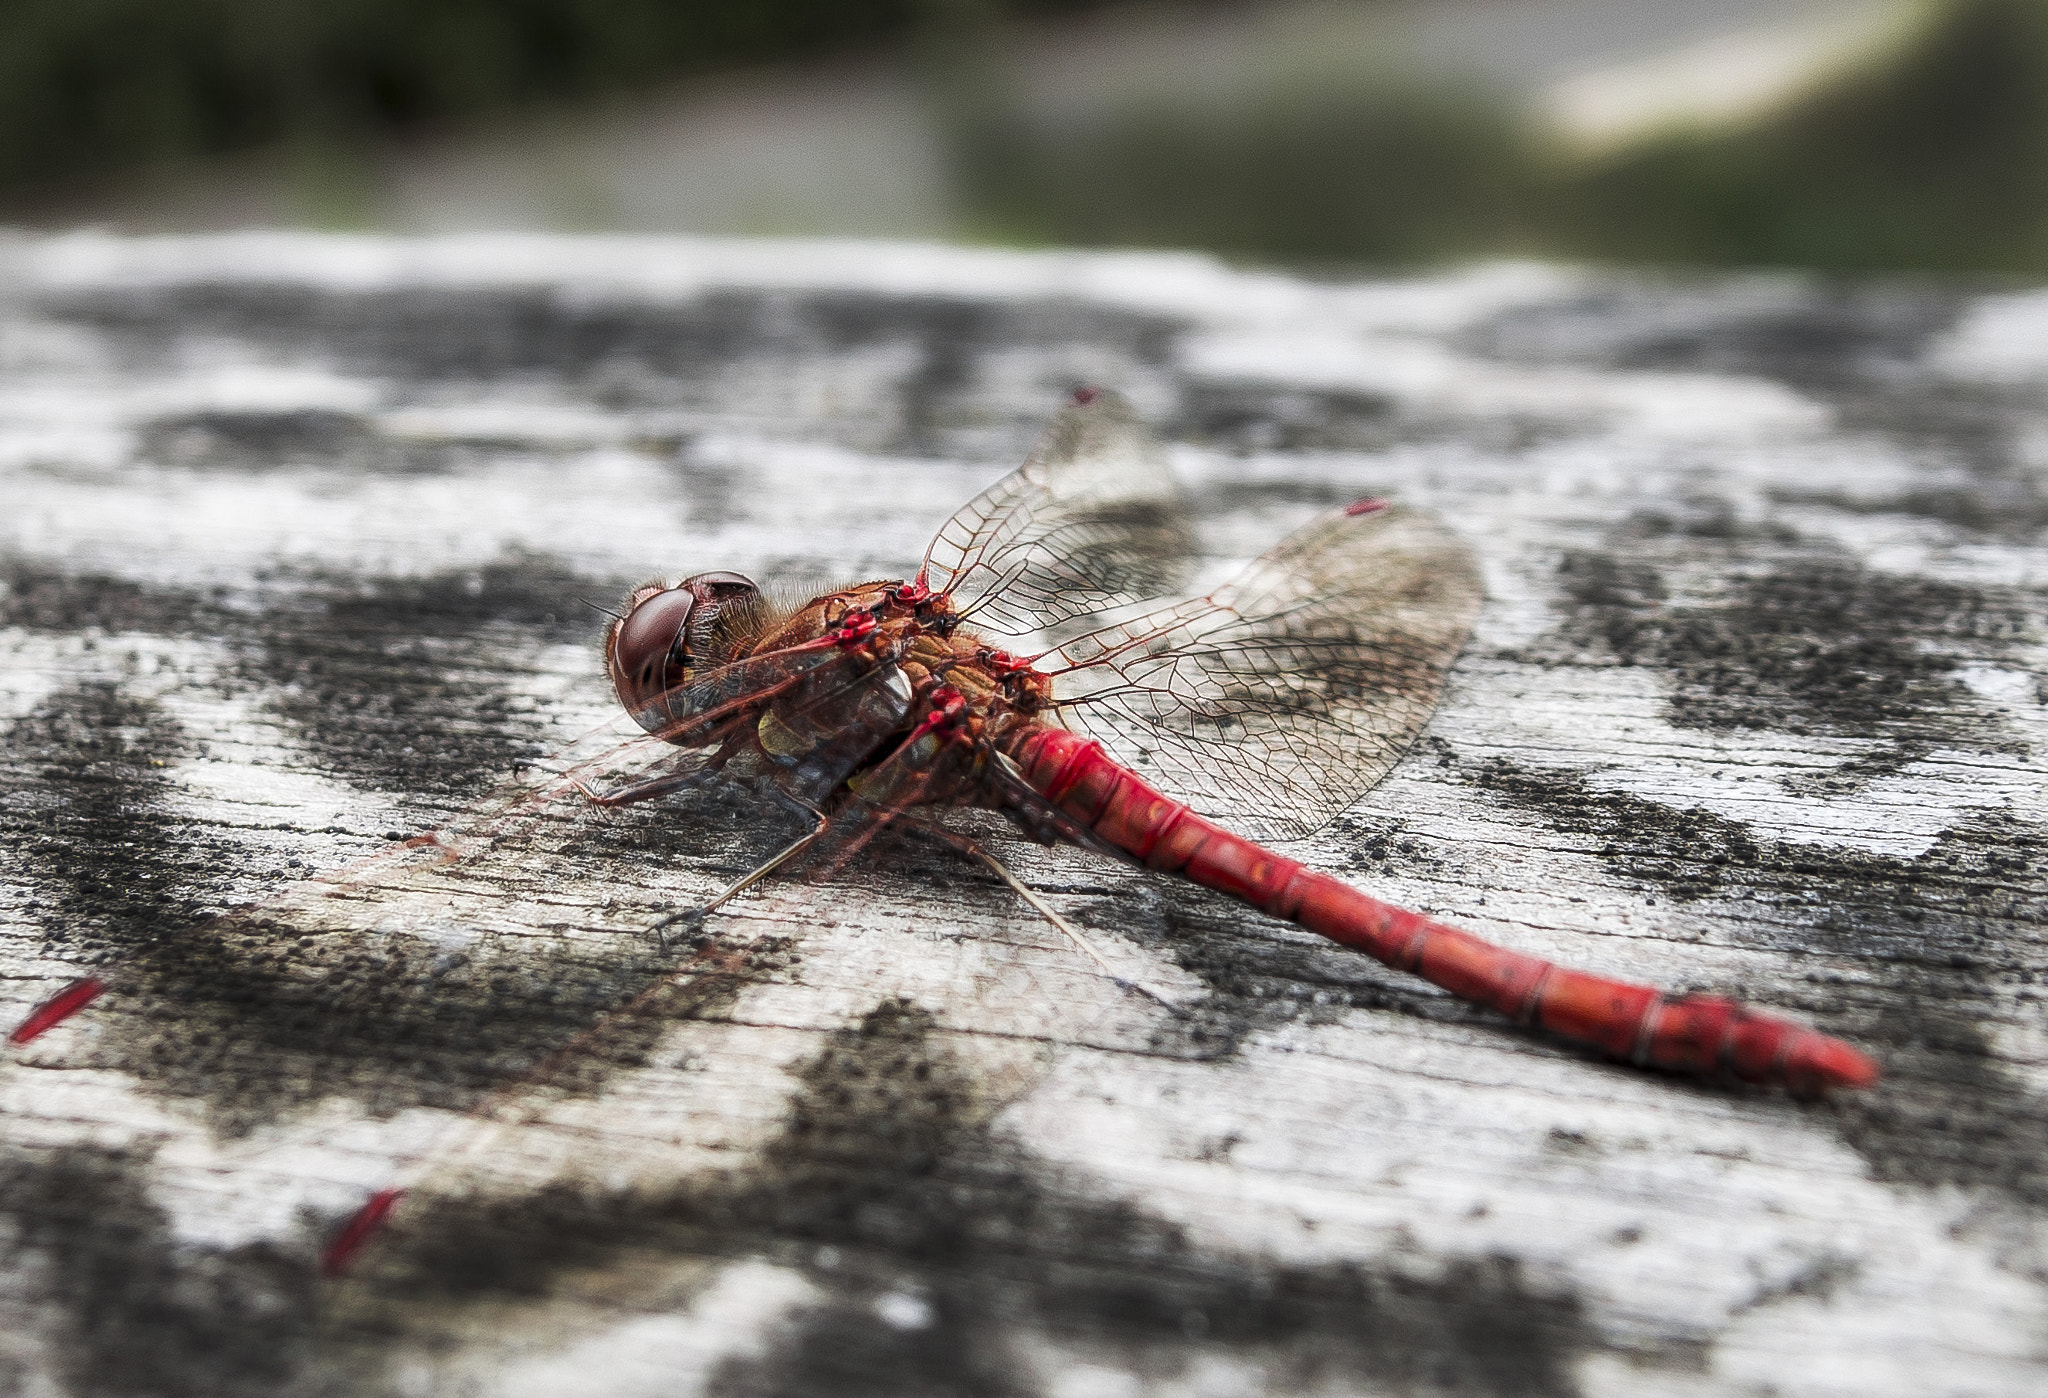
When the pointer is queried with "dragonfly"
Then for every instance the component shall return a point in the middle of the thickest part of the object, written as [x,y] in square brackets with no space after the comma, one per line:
[1278,698]
[1030,668]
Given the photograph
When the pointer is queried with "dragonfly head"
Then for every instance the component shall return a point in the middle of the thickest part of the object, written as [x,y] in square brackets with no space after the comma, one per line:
[666,632]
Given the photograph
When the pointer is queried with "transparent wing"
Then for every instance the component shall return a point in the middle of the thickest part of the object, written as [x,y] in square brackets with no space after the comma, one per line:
[1094,519]
[679,742]
[506,951]
[1277,700]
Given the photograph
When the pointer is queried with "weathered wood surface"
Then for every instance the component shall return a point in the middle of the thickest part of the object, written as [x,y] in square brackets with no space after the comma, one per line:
[295,532]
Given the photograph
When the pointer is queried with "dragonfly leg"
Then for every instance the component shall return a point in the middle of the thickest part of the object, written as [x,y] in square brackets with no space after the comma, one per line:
[975,850]
[635,792]
[705,775]
[739,886]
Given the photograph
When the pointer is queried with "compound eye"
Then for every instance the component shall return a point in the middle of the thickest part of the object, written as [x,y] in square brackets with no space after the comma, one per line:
[650,650]
[721,588]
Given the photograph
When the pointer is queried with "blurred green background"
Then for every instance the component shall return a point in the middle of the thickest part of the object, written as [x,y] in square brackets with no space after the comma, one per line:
[1844,135]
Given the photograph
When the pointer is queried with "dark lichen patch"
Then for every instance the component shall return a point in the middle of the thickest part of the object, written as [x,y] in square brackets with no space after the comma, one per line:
[726,352]
[1832,648]
[1813,646]
[1683,854]
[950,336]
[1915,960]
[529,591]
[408,336]
[1982,887]
[394,684]
[1814,335]
[1227,498]
[1256,418]
[1607,583]
[82,811]
[133,1311]
[1860,349]
[256,1020]
[259,439]
[256,441]
[252,1014]
[1950,1113]
[1377,846]
[1702,517]
[2012,508]
[38,597]
[888,1184]
[399,684]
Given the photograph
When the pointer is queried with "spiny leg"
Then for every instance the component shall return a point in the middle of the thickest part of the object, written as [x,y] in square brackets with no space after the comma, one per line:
[780,858]
[707,773]
[974,849]
[636,792]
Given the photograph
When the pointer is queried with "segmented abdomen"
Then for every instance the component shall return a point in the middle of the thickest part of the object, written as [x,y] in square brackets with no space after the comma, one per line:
[1694,1033]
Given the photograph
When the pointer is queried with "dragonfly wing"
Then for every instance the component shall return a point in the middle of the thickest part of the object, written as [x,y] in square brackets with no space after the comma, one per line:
[1277,700]
[680,739]
[1094,519]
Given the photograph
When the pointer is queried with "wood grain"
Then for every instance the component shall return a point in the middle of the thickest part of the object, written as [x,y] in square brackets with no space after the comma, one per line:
[296,534]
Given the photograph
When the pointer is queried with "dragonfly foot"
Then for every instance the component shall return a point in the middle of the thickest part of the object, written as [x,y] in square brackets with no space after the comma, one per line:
[689,920]
[1159,997]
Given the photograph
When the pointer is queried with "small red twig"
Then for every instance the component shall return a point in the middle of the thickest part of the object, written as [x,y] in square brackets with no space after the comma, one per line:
[58,1008]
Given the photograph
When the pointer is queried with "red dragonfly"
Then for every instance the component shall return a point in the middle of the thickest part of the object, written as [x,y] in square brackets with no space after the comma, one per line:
[1133,730]
[1277,699]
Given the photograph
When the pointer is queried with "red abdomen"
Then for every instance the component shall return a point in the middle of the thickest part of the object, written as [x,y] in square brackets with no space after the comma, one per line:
[1694,1033]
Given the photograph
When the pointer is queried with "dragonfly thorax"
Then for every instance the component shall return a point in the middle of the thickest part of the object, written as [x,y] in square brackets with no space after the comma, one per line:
[874,689]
